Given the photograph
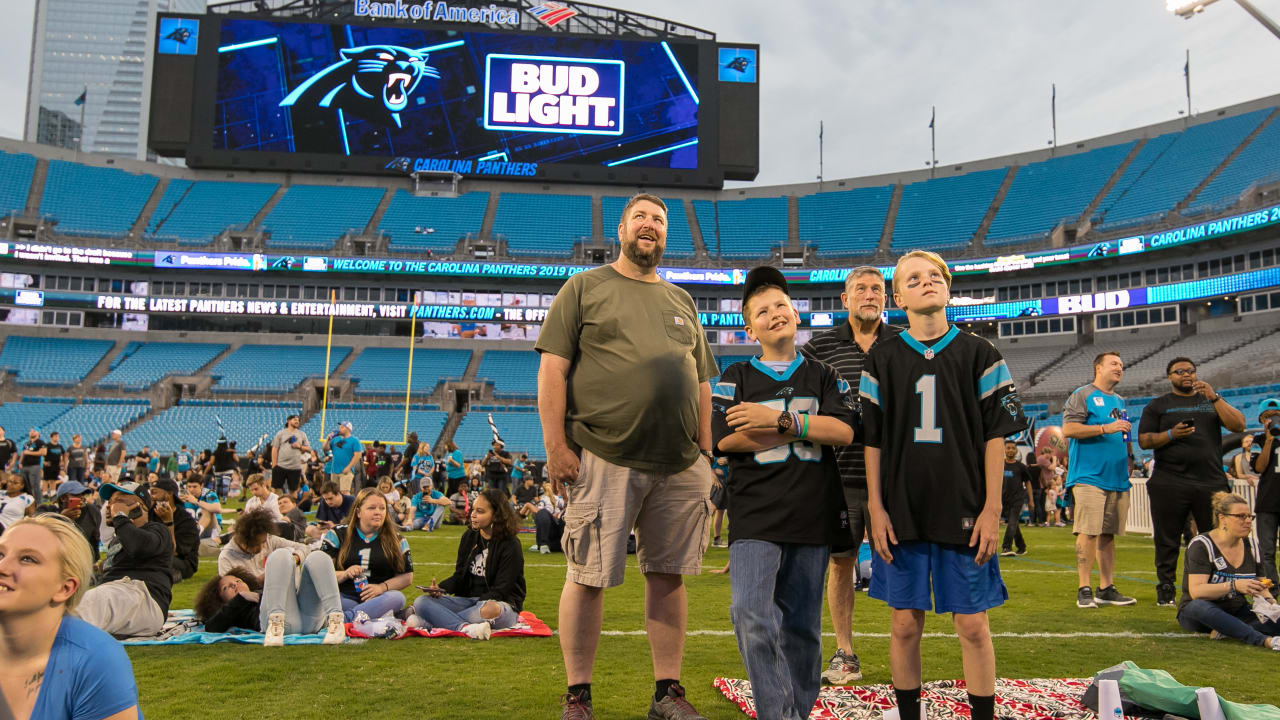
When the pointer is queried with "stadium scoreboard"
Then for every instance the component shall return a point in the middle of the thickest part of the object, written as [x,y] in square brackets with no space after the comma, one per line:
[405,87]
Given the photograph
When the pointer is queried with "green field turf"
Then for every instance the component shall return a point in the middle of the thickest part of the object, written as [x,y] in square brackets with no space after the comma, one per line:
[1038,633]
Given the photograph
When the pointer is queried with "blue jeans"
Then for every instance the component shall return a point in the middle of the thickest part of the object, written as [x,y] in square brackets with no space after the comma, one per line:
[305,598]
[1201,616]
[451,612]
[777,617]
[431,521]
[375,608]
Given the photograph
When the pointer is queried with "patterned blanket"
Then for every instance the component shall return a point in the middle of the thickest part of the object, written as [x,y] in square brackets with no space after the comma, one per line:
[1038,699]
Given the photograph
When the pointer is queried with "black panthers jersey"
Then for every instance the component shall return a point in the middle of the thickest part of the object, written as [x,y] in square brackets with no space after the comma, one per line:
[790,493]
[931,410]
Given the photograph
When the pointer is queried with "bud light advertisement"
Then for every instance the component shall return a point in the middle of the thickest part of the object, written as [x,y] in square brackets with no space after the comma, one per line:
[475,103]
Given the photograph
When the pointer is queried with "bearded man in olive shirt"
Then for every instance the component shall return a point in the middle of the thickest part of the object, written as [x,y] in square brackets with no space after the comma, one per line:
[625,404]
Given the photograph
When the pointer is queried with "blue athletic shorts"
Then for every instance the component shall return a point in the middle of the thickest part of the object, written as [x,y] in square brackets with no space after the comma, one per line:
[959,584]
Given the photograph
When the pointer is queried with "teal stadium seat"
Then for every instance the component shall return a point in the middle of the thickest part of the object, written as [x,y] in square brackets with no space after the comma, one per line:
[198,211]
[272,368]
[679,236]
[53,362]
[16,170]
[846,223]
[944,213]
[313,217]
[383,371]
[416,224]
[141,365]
[542,225]
[94,201]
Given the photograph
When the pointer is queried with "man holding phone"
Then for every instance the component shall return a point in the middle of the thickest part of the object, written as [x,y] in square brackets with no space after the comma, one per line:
[1184,428]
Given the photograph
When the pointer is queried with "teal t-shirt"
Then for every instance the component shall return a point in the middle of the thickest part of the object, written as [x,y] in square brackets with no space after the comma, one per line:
[1101,461]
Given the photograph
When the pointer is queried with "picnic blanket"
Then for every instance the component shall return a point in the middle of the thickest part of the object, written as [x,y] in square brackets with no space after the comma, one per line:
[1038,699]
[528,626]
[182,628]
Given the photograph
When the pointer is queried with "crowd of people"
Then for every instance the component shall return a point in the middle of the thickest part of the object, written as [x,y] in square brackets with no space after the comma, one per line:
[904,438]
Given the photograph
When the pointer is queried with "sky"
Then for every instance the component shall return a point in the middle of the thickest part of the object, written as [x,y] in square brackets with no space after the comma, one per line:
[871,71]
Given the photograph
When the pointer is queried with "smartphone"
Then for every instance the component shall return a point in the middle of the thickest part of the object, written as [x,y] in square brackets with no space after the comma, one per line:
[423,588]
[74,502]
[1189,422]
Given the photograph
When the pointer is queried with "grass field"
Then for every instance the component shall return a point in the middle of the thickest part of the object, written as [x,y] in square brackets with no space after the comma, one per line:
[1038,633]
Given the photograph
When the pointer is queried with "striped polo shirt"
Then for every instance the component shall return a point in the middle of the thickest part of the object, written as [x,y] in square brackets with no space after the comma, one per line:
[837,348]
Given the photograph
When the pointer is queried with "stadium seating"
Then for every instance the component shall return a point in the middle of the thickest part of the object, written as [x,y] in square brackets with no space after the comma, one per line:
[382,422]
[16,170]
[944,213]
[1148,154]
[198,424]
[679,236]
[313,217]
[1201,348]
[752,227]
[94,201]
[542,225]
[52,362]
[383,371]
[432,223]
[846,223]
[93,420]
[272,368]
[520,430]
[1024,361]
[1076,368]
[1173,173]
[141,365]
[513,372]
[204,209]
[1043,193]
[705,212]
[1254,360]
[1258,163]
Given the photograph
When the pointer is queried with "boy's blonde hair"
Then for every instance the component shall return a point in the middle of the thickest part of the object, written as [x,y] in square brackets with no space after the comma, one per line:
[934,258]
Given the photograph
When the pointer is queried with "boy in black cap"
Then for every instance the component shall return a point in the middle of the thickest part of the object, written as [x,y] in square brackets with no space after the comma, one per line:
[776,417]
[183,529]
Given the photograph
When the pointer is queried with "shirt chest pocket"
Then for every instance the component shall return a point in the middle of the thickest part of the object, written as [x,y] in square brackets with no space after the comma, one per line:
[678,328]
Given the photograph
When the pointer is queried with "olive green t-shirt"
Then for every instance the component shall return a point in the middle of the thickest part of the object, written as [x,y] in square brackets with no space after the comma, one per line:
[638,355]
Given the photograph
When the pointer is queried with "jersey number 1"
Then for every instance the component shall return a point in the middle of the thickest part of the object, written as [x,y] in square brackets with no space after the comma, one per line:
[928,431]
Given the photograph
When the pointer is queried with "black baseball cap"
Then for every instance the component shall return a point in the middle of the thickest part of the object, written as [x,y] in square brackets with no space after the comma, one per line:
[763,275]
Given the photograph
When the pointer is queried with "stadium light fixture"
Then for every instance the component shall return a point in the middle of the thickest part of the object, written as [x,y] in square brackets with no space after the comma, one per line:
[1188,9]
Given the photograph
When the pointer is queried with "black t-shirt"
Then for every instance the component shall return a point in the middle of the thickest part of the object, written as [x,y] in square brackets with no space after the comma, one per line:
[53,457]
[7,449]
[1203,558]
[224,460]
[338,515]
[363,551]
[527,494]
[77,457]
[1196,458]
[931,408]
[141,460]
[495,467]
[384,464]
[791,493]
[410,456]
[31,460]
[1268,500]
[1016,477]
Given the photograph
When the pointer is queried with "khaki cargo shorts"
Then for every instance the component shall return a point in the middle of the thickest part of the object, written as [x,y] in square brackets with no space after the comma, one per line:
[668,512]
[1098,511]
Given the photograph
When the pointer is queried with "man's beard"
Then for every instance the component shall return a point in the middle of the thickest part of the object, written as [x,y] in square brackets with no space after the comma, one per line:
[641,258]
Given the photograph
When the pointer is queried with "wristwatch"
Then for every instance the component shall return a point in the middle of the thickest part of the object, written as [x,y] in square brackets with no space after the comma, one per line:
[785,421]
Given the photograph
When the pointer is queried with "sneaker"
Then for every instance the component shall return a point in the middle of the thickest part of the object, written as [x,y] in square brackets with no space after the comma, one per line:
[673,707]
[335,632]
[1215,635]
[415,622]
[1061,524]
[274,636]
[1110,596]
[1021,552]
[478,631]
[1084,598]
[843,669]
[533,548]
[574,709]
[545,549]
[1165,595]
[1006,553]
[1275,642]
[719,543]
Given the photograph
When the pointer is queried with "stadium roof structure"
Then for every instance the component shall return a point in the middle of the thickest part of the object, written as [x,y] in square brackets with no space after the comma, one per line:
[589,19]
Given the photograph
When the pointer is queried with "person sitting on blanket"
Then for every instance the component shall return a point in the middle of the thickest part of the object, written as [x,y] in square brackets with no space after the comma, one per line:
[1220,579]
[253,539]
[373,561]
[55,664]
[133,591]
[281,600]
[486,591]
[548,521]
[291,512]
[183,528]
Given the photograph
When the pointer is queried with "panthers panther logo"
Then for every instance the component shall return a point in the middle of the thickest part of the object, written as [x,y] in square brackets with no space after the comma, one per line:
[374,82]
[180,36]
[739,63]
[1012,404]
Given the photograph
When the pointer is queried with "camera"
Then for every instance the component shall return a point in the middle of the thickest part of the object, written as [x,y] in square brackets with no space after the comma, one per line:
[1273,428]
